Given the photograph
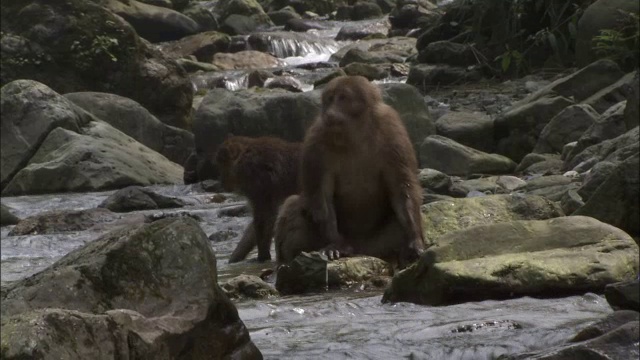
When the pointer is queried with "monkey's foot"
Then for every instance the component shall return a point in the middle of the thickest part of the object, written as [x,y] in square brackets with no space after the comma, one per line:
[336,251]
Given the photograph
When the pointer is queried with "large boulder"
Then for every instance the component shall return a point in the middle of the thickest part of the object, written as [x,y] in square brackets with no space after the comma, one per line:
[446,155]
[153,23]
[516,131]
[601,15]
[77,45]
[134,120]
[286,115]
[565,127]
[146,291]
[565,255]
[615,201]
[248,8]
[471,129]
[615,150]
[99,158]
[447,216]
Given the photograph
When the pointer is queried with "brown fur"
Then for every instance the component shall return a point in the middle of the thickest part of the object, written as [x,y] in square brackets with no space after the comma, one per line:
[265,170]
[360,192]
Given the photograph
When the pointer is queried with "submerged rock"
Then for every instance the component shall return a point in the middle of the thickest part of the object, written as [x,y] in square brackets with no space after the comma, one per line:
[248,286]
[57,221]
[561,256]
[134,198]
[153,285]
[6,217]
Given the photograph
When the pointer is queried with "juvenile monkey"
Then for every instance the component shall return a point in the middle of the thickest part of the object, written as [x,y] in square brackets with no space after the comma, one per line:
[265,170]
[360,193]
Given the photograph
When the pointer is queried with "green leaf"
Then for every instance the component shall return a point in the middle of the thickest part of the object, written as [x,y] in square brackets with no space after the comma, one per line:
[506,62]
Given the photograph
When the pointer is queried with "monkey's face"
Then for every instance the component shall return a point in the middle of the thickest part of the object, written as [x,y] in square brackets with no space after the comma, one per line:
[347,102]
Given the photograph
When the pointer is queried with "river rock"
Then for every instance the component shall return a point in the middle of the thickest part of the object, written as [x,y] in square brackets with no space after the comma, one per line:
[236,24]
[248,8]
[631,112]
[517,130]
[203,15]
[369,57]
[371,72]
[248,59]
[356,32]
[446,155]
[600,15]
[192,66]
[595,177]
[447,216]
[164,283]
[134,120]
[6,217]
[580,85]
[400,46]
[281,17]
[320,7]
[612,94]
[608,126]
[287,115]
[609,323]
[57,221]
[449,53]
[471,129]
[616,149]
[361,10]
[615,201]
[409,14]
[154,23]
[134,198]
[565,127]
[288,83]
[300,25]
[29,112]
[99,158]
[249,286]
[84,47]
[434,180]
[544,164]
[565,255]
[624,295]
[312,272]
[203,46]
[426,77]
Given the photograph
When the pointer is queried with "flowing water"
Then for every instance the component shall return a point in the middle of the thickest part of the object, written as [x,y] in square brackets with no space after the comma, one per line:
[348,324]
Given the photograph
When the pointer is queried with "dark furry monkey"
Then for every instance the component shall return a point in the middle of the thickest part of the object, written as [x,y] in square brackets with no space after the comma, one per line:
[265,170]
[360,192]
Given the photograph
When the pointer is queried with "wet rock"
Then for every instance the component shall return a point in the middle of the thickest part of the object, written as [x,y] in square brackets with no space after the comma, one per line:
[600,15]
[250,9]
[134,120]
[517,130]
[57,221]
[282,17]
[401,47]
[203,46]
[565,127]
[312,272]
[258,78]
[357,32]
[620,343]
[235,211]
[426,77]
[325,79]
[164,285]
[249,286]
[609,96]
[288,83]
[452,158]
[449,53]
[154,23]
[410,14]
[609,323]
[221,236]
[608,126]
[434,180]
[202,15]
[192,66]
[30,111]
[236,24]
[488,325]
[624,295]
[300,25]
[447,216]
[356,55]
[565,255]
[631,112]
[371,72]
[134,198]
[100,158]
[84,47]
[6,217]
[248,59]
[287,115]
[361,10]
[615,201]
[616,150]
[320,7]
[471,129]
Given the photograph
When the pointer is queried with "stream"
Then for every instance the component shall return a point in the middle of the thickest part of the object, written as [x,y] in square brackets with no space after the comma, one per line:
[349,324]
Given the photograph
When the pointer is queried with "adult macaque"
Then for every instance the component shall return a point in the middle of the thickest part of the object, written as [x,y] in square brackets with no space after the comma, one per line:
[360,192]
[265,170]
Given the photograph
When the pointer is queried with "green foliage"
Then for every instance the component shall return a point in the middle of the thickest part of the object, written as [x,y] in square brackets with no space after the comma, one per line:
[102,46]
[620,44]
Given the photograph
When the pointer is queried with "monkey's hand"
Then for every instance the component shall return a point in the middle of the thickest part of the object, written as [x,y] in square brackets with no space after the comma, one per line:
[411,253]
[336,249]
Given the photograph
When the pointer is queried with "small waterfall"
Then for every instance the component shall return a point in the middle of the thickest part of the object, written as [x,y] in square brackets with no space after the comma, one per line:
[231,80]
[293,48]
